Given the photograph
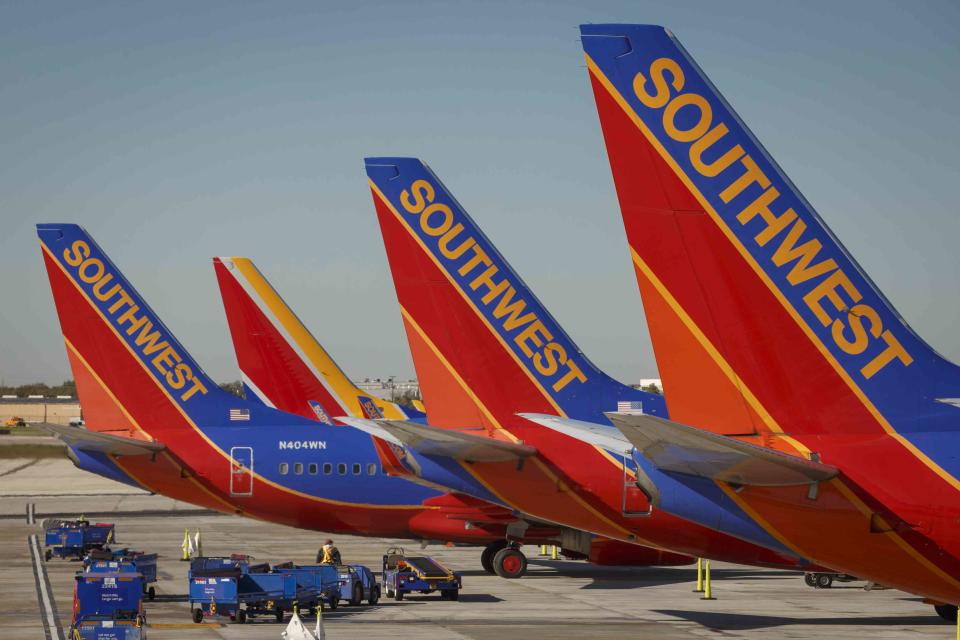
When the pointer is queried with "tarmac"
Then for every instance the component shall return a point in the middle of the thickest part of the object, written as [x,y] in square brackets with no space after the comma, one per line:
[557,599]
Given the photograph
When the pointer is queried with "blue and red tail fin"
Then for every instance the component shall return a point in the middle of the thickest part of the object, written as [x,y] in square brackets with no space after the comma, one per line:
[758,315]
[483,344]
[120,346]
[282,363]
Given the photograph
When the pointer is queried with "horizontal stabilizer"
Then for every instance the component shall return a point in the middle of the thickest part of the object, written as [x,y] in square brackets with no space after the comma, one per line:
[370,426]
[433,441]
[681,449]
[589,432]
[103,442]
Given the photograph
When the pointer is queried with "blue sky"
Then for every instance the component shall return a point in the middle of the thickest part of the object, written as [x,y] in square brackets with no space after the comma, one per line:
[176,131]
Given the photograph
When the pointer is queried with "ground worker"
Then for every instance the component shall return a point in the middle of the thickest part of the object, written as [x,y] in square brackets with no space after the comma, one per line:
[328,554]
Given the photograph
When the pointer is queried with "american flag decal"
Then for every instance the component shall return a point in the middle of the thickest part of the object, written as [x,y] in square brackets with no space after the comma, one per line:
[239,414]
[629,406]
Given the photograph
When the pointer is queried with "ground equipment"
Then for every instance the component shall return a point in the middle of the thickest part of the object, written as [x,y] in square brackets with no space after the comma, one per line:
[75,538]
[358,583]
[108,606]
[234,588]
[317,584]
[125,560]
[404,574]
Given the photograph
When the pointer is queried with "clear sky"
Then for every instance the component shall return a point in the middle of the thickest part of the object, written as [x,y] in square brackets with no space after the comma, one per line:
[176,131]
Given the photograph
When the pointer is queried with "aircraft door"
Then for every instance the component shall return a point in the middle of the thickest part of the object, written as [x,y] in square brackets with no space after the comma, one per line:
[241,471]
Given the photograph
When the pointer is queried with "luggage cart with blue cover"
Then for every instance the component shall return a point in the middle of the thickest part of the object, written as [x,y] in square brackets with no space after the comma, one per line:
[358,583]
[318,584]
[75,538]
[125,560]
[108,606]
[233,588]
[404,574]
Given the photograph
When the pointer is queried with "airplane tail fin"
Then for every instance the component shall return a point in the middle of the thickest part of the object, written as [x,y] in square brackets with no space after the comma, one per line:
[130,369]
[757,313]
[282,363]
[481,340]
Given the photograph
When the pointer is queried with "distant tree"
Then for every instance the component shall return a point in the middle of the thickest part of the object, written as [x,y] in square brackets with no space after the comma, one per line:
[652,388]
[235,387]
[66,388]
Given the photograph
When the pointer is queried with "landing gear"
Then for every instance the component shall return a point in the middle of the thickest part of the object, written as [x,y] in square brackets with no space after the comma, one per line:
[946,611]
[819,580]
[510,563]
[486,558]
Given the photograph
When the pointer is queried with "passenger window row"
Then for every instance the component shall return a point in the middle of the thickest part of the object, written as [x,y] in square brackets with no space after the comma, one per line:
[313,468]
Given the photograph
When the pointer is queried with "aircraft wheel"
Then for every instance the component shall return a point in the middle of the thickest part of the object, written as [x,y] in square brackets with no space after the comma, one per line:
[810,579]
[824,580]
[946,611]
[510,563]
[198,615]
[486,558]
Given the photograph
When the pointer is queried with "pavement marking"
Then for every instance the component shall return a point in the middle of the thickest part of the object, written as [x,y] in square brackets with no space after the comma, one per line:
[20,467]
[49,617]
[185,625]
[31,513]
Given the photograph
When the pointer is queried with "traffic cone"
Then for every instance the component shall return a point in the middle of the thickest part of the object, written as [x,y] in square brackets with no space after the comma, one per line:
[199,544]
[185,546]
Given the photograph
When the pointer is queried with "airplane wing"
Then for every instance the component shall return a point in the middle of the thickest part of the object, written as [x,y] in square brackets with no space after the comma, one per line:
[102,442]
[370,426]
[455,444]
[682,449]
[589,432]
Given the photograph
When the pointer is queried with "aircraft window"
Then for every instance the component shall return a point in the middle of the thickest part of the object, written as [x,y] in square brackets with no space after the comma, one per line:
[327,468]
[312,468]
[284,468]
[356,468]
[342,469]
[371,469]
[298,468]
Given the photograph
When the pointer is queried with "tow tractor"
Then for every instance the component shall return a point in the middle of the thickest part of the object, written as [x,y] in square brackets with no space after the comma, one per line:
[404,574]
[75,538]
[358,583]
[108,606]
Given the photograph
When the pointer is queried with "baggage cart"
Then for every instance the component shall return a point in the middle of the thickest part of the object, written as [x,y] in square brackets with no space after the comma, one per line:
[125,560]
[75,538]
[108,606]
[235,589]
